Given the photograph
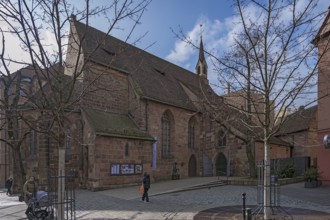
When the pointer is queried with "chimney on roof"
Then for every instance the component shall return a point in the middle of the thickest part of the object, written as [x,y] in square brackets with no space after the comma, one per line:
[301,108]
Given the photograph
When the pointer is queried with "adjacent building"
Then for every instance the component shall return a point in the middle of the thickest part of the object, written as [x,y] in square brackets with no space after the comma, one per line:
[322,41]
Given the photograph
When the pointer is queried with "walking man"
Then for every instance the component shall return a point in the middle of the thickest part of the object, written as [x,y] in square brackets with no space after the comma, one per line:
[9,183]
[146,186]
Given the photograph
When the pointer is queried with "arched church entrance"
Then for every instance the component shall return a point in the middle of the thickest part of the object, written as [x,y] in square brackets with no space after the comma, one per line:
[192,166]
[221,165]
[207,166]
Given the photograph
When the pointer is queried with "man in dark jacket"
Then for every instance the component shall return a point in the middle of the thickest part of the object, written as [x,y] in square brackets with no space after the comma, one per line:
[146,186]
[9,184]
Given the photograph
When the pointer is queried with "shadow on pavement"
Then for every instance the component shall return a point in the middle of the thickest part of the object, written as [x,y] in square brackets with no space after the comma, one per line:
[235,212]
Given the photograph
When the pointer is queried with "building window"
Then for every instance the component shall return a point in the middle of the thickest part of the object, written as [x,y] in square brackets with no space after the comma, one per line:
[26,79]
[22,92]
[9,91]
[126,150]
[222,139]
[205,70]
[67,144]
[191,134]
[30,140]
[166,135]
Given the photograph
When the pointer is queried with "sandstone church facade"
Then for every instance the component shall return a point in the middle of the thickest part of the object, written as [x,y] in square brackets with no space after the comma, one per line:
[150,119]
[138,114]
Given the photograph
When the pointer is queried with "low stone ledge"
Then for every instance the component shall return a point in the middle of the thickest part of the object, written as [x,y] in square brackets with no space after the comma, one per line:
[254,182]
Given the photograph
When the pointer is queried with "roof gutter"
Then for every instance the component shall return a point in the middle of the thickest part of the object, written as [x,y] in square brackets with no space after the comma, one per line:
[166,103]
[124,136]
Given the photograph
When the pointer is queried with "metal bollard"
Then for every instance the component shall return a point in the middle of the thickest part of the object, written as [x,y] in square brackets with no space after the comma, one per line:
[248,214]
[243,209]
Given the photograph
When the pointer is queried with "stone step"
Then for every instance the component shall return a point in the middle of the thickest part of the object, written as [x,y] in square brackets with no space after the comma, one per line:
[195,187]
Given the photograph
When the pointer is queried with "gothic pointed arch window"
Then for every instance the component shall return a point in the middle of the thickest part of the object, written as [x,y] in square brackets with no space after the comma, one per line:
[126,150]
[191,133]
[166,134]
[222,138]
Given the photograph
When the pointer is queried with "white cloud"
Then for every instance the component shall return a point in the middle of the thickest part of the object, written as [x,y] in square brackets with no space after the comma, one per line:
[13,50]
[212,37]
[16,51]
[182,51]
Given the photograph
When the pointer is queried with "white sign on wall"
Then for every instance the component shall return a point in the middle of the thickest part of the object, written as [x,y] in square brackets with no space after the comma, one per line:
[326,141]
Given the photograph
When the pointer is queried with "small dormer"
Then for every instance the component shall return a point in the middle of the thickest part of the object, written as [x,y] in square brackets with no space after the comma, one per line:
[201,66]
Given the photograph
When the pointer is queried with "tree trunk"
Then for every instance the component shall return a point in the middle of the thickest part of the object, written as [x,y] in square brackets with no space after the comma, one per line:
[251,158]
[19,171]
[61,183]
[267,208]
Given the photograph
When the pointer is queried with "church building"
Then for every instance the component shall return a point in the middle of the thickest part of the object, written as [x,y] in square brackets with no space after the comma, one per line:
[138,113]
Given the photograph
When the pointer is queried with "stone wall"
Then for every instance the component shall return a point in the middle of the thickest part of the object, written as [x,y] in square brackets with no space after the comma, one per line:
[276,151]
[105,89]
[109,151]
[180,153]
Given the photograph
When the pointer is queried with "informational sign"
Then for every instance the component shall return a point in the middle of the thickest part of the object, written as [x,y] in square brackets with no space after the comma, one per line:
[138,169]
[126,169]
[115,169]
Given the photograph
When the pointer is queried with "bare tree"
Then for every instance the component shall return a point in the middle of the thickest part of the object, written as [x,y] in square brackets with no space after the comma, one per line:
[271,65]
[42,29]
[274,59]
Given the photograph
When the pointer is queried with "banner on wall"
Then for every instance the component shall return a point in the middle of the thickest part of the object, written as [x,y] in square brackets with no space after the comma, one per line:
[154,154]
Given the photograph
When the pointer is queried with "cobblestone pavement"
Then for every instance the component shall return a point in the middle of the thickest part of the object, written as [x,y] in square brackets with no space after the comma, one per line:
[180,205]
[125,203]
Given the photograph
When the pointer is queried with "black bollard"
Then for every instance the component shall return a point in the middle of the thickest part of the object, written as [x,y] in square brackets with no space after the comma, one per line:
[243,209]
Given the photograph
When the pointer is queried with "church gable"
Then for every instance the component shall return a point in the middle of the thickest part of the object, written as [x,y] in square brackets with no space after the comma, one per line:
[154,78]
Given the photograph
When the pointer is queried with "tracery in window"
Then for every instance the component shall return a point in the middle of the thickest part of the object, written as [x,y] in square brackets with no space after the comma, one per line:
[222,138]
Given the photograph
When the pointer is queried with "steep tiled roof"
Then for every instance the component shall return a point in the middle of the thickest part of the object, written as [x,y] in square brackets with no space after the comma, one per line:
[114,125]
[298,121]
[155,78]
